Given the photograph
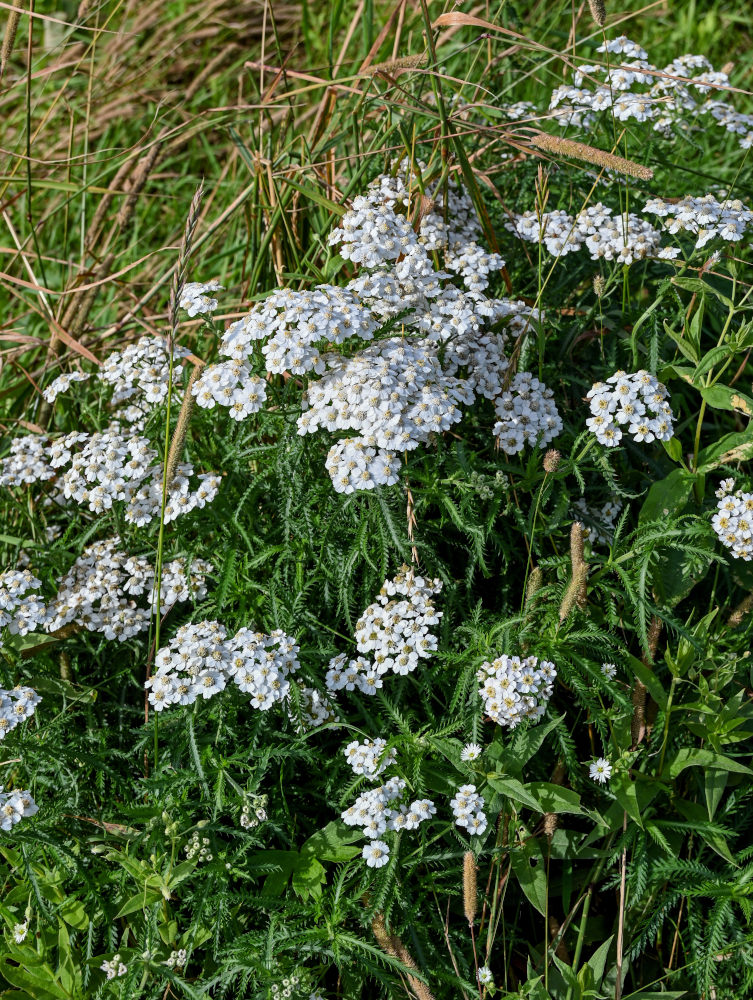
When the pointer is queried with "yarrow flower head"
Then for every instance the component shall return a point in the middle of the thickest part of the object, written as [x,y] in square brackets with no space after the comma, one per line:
[376,854]
[21,610]
[514,689]
[381,810]
[600,770]
[468,809]
[370,758]
[632,403]
[392,635]
[15,806]
[200,661]
[114,968]
[527,415]
[16,705]
[195,298]
[733,521]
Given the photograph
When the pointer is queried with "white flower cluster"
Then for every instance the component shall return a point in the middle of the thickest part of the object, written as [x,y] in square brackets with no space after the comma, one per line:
[195,297]
[635,401]
[21,611]
[142,371]
[468,810]
[527,415]
[296,326]
[177,959]
[397,394]
[636,90]
[598,525]
[370,758]
[104,468]
[624,238]
[62,384]
[16,705]
[27,462]
[198,847]
[395,634]
[514,689]
[313,709]
[256,805]
[733,521]
[201,660]
[15,806]
[706,217]
[98,591]
[378,810]
[231,384]
[114,968]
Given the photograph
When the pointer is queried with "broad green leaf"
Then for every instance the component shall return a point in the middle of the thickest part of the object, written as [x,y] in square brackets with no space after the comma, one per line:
[527,742]
[648,678]
[308,877]
[333,843]
[701,757]
[74,913]
[729,448]
[626,793]
[36,983]
[598,961]
[668,496]
[673,448]
[714,783]
[139,902]
[513,789]
[722,397]
[529,868]
[716,356]
[554,798]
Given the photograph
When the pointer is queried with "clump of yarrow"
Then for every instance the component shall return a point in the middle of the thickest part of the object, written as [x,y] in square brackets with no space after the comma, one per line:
[393,635]
[381,810]
[630,88]
[635,404]
[21,610]
[733,521]
[527,415]
[370,758]
[118,464]
[109,591]
[398,393]
[254,811]
[514,689]
[16,706]
[468,810]
[15,806]
[201,660]
[670,100]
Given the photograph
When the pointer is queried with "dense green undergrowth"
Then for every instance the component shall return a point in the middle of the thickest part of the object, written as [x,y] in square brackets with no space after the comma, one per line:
[206,848]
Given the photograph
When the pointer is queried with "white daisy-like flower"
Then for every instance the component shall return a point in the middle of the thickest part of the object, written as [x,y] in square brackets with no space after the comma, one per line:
[471,751]
[20,931]
[600,770]
[376,854]
[609,670]
[485,976]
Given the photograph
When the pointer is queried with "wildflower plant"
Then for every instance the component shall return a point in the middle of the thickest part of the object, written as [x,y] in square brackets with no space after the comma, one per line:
[379,625]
